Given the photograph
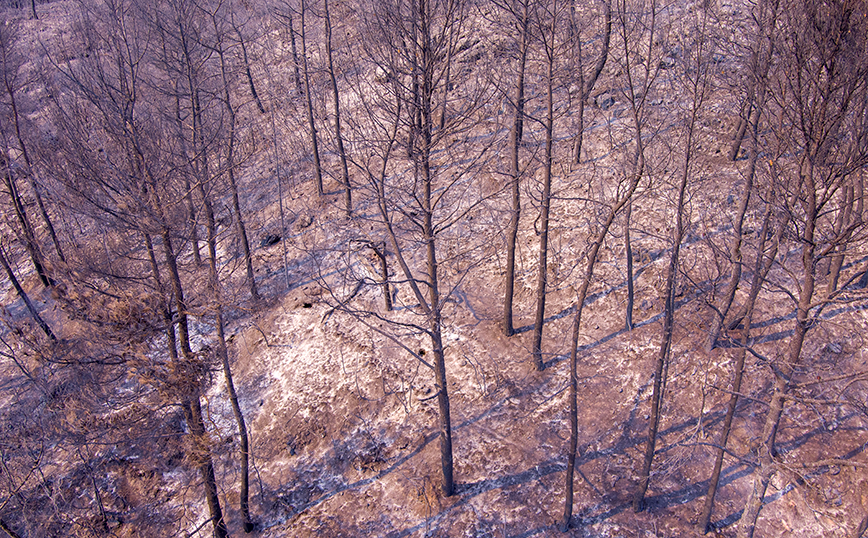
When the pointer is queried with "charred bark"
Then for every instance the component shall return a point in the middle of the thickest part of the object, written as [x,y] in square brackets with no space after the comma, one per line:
[515,137]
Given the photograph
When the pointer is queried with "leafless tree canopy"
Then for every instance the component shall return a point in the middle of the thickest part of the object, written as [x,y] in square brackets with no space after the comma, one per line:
[440,267]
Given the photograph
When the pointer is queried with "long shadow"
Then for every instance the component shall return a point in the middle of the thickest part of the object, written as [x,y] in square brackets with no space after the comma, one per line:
[780,335]
[352,485]
[626,441]
[471,490]
[736,516]
[653,319]
[588,300]
[587,517]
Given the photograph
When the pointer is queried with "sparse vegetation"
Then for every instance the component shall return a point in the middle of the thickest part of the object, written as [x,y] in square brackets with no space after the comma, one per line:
[361,267]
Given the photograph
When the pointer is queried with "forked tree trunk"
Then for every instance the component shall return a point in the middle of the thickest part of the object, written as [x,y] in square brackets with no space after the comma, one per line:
[24,297]
[223,354]
[573,382]
[345,173]
[241,229]
[586,87]
[314,137]
[515,136]
[761,268]
[545,201]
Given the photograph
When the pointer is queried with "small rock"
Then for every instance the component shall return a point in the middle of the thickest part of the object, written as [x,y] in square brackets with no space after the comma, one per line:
[835,347]
[269,240]
[667,63]
[605,101]
[303,222]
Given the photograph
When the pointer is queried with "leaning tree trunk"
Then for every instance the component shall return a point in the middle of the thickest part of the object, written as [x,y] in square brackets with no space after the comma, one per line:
[16,119]
[24,297]
[247,71]
[30,243]
[3,525]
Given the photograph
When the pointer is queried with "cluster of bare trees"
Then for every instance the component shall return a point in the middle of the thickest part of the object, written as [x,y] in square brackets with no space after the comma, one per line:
[442,124]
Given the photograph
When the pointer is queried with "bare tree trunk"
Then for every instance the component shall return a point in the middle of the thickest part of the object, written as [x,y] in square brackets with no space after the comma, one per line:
[243,43]
[345,174]
[222,352]
[668,314]
[230,165]
[30,243]
[314,139]
[193,221]
[859,531]
[24,297]
[846,219]
[379,250]
[723,307]
[441,384]
[33,10]
[3,525]
[750,116]
[767,467]
[299,87]
[574,342]
[16,118]
[588,87]
[628,251]
[190,398]
[761,268]
[545,201]
[741,128]
[188,188]
[515,136]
